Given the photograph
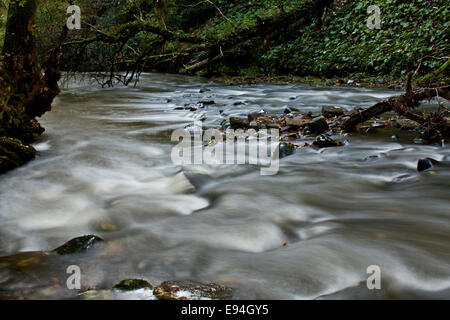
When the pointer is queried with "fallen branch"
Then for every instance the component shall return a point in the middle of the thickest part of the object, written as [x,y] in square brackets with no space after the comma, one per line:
[398,104]
[435,124]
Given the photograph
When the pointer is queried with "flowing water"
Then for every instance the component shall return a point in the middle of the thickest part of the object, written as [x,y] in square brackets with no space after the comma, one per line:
[104,168]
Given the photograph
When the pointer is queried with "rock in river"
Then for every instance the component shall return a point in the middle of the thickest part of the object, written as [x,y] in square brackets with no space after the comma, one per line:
[186,290]
[317,125]
[326,142]
[296,121]
[330,111]
[425,164]
[132,284]
[13,153]
[238,123]
[79,244]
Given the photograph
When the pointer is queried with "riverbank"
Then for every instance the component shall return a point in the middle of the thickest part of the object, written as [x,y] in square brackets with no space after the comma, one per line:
[375,82]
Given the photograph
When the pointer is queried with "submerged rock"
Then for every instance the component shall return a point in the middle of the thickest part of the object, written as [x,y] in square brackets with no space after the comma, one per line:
[105,226]
[14,153]
[132,284]
[186,290]
[79,244]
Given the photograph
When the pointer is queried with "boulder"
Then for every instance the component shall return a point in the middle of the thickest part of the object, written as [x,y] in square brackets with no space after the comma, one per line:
[14,153]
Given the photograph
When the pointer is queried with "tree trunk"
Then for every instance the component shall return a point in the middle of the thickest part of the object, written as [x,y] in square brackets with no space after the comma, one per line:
[25,93]
[19,70]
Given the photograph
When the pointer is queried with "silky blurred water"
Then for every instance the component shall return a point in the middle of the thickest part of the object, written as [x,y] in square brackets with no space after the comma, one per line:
[104,160]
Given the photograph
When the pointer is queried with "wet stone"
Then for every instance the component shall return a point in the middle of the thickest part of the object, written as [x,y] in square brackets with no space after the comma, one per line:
[286,149]
[317,125]
[295,122]
[290,110]
[14,153]
[326,142]
[253,116]
[132,284]
[427,163]
[424,164]
[79,244]
[238,123]
[254,124]
[207,102]
[331,112]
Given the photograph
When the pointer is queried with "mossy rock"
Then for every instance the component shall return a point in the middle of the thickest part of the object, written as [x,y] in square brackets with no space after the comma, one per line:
[14,153]
[132,284]
[79,244]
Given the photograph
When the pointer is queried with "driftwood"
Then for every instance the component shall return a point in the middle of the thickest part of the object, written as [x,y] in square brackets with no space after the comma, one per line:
[435,125]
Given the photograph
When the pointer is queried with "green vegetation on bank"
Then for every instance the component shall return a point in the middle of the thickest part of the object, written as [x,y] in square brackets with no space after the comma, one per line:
[410,31]
[335,43]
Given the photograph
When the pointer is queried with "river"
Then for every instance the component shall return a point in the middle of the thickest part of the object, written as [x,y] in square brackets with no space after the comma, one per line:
[310,231]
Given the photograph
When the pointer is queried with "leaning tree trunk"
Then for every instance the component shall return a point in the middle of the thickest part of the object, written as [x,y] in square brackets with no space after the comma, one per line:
[19,71]
[25,93]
